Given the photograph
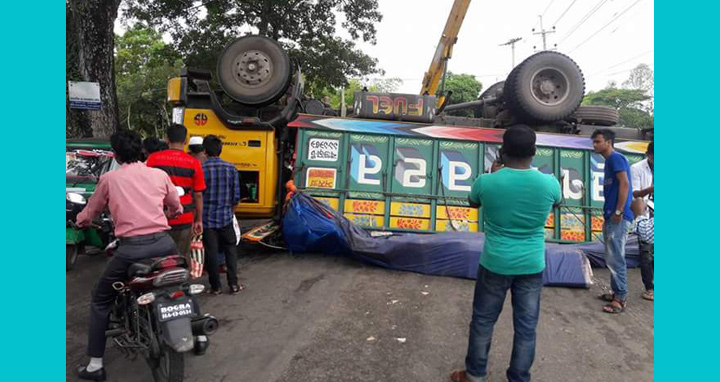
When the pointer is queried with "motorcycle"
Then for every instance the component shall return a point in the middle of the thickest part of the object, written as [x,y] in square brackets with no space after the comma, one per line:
[156,315]
[100,234]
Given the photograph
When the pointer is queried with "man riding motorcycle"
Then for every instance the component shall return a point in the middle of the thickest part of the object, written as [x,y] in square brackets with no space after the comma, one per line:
[136,196]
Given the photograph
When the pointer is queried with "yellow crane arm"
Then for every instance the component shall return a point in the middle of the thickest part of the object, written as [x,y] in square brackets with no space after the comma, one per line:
[443,52]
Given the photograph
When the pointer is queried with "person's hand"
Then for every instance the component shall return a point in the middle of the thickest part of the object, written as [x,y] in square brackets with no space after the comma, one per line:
[617,219]
[496,166]
[638,206]
[197,228]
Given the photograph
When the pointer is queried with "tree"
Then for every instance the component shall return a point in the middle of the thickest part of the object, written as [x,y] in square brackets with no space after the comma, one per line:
[380,85]
[465,88]
[643,78]
[634,102]
[89,45]
[306,29]
[628,102]
[143,65]
[616,98]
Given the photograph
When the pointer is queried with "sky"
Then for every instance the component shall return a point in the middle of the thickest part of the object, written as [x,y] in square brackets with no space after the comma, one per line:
[607,38]
[606,46]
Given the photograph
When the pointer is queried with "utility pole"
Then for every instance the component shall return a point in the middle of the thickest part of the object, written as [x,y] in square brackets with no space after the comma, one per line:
[543,32]
[512,45]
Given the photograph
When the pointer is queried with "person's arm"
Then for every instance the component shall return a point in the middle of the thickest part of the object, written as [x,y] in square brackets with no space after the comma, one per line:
[474,197]
[97,203]
[623,191]
[172,199]
[198,188]
[197,223]
[236,190]
[643,193]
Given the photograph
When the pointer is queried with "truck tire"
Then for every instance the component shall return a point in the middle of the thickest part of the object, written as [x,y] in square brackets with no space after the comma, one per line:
[490,111]
[254,70]
[546,87]
[596,115]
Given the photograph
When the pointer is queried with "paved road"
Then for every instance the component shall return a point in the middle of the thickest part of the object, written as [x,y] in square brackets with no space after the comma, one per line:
[308,318]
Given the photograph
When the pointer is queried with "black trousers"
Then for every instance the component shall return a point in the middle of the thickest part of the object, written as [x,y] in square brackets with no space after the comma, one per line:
[130,250]
[647,265]
[220,240]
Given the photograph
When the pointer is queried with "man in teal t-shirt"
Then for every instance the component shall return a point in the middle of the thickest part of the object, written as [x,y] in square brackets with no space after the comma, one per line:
[516,201]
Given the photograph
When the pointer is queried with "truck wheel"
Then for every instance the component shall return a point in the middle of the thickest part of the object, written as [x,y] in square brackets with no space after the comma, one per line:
[71,255]
[596,115]
[254,70]
[546,87]
[490,111]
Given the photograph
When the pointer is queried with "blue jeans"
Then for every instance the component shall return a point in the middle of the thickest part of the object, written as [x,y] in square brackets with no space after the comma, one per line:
[490,291]
[615,236]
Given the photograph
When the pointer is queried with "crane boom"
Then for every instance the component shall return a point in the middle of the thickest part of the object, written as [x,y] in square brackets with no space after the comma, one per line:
[443,52]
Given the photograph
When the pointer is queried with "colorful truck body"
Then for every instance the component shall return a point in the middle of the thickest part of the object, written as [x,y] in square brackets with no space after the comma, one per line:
[389,175]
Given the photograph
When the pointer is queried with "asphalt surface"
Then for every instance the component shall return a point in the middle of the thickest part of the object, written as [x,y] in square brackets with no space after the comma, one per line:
[314,318]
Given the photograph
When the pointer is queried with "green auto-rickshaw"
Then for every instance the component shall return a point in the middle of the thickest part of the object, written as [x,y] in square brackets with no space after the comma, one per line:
[85,161]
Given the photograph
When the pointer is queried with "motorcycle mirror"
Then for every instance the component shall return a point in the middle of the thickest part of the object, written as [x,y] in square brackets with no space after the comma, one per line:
[180,191]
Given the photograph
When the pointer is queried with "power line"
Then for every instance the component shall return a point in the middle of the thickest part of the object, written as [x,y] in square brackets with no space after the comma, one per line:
[627,70]
[548,7]
[623,62]
[584,19]
[564,12]
[605,26]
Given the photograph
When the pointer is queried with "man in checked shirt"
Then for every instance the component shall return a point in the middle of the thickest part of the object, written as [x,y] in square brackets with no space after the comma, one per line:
[220,199]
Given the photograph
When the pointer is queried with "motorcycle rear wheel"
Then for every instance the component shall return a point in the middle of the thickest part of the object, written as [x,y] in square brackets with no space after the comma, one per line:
[169,367]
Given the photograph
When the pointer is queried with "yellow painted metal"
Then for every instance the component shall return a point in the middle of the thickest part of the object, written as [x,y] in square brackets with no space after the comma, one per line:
[415,210]
[461,226]
[174,90]
[457,213]
[409,223]
[333,203]
[443,52]
[362,206]
[236,150]
[370,221]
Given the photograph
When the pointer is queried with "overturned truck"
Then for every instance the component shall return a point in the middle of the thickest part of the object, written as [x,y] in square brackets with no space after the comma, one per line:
[396,162]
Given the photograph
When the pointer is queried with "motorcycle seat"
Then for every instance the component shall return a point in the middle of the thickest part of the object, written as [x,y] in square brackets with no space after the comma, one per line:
[145,267]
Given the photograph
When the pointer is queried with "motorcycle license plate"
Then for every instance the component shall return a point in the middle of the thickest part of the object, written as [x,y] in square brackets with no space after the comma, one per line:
[173,310]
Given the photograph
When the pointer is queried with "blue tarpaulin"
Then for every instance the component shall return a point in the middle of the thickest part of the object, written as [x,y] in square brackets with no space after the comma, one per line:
[311,226]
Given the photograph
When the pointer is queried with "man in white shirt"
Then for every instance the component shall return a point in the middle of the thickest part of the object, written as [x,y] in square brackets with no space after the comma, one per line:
[643,178]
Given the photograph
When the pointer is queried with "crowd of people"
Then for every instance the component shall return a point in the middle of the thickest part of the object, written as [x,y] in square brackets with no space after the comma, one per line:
[516,201]
[152,220]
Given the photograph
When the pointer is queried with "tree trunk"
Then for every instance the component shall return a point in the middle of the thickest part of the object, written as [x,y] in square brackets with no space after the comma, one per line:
[92,32]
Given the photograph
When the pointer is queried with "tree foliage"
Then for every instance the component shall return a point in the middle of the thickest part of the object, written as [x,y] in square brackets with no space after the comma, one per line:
[305,28]
[143,66]
[465,88]
[634,101]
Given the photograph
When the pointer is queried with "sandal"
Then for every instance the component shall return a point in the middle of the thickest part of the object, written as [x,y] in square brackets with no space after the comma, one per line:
[214,292]
[461,376]
[649,295]
[615,307]
[608,297]
[235,289]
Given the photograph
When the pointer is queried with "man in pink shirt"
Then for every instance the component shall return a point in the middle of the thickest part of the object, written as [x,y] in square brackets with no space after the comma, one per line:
[136,195]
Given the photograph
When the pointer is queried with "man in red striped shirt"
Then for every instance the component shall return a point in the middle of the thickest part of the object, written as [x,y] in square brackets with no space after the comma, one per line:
[186,172]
